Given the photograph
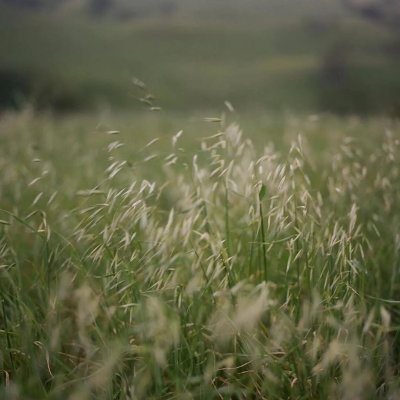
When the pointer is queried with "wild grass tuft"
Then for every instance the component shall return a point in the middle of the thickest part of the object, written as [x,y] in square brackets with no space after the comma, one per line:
[221,270]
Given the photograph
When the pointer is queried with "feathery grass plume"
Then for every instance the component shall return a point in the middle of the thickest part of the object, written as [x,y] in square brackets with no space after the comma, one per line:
[231,269]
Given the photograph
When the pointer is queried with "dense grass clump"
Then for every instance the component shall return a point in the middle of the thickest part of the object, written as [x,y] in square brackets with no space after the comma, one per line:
[220,270]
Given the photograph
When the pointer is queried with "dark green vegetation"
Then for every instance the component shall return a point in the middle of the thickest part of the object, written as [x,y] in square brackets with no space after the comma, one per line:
[258,56]
[176,267]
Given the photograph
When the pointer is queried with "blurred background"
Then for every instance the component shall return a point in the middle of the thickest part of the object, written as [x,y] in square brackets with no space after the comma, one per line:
[303,56]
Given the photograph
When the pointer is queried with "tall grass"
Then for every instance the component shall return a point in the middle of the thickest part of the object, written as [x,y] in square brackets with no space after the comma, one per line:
[223,270]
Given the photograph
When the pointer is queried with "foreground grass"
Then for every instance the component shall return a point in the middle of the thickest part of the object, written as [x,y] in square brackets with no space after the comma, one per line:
[199,267]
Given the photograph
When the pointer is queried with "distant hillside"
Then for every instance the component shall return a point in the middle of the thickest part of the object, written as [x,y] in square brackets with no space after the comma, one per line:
[198,9]
[265,56]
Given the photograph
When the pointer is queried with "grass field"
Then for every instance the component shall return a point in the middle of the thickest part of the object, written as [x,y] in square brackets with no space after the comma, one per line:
[208,263]
[213,233]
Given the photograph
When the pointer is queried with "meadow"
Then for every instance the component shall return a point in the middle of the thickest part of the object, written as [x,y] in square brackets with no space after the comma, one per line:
[203,263]
[229,229]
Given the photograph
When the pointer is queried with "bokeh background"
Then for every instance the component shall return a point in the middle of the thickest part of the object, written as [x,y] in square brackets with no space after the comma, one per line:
[306,56]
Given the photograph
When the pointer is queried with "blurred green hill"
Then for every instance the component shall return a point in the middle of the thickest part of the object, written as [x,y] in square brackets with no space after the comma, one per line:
[306,56]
